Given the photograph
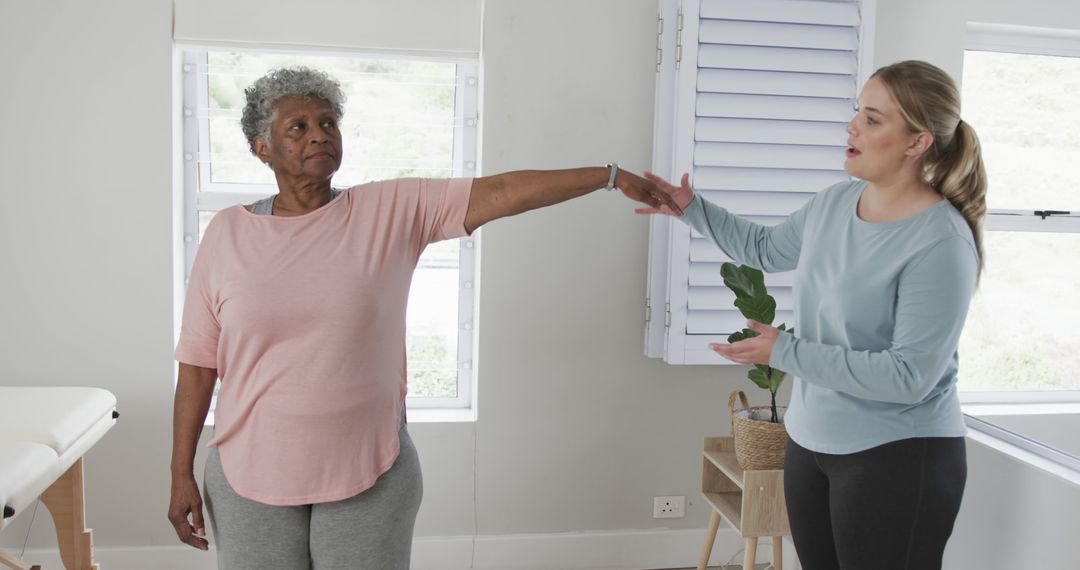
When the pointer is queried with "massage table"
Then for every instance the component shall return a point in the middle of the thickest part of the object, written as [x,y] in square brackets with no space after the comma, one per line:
[44,433]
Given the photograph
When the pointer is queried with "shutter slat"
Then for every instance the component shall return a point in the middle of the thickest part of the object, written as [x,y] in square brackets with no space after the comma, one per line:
[792,11]
[775,83]
[766,179]
[752,204]
[705,250]
[708,275]
[777,34]
[723,299]
[777,59]
[725,322]
[768,131]
[774,107]
[769,155]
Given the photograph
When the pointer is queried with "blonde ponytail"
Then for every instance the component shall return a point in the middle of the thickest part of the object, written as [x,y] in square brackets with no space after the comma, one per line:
[958,174]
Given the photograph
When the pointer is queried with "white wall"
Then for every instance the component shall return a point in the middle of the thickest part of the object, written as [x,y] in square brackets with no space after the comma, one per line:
[1012,516]
[408,25]
[85,236]
[933,30]
[577,430]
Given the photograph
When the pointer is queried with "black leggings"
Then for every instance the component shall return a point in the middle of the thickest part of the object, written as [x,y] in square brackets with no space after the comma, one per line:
[891,507]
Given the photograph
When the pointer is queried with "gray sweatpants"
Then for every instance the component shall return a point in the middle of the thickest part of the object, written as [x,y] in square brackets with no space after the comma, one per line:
[370,531]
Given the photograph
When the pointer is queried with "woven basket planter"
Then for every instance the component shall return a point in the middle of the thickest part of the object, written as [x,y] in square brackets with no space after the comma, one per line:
[759,443]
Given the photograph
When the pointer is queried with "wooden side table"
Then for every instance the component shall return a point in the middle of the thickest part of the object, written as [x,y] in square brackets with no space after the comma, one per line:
[750,501]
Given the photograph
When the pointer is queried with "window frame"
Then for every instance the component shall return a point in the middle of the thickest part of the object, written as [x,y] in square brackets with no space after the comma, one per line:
[193,141]
[1000,38]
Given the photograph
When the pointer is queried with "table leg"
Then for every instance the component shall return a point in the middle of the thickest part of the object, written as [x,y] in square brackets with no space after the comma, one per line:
[64,499]
[750,558]
[14,563]
[710,538]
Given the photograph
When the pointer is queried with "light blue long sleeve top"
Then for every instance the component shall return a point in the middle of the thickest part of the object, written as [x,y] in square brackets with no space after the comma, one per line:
[878,307]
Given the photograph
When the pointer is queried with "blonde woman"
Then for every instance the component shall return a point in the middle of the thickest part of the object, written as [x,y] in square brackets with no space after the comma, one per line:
[885,269]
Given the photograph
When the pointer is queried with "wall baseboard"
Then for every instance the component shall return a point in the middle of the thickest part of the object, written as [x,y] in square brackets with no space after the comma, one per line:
[616,550]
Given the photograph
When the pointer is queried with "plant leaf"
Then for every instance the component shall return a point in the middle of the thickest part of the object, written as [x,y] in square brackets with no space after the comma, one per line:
[742,335]
[751,296]
[744,280]
[758,377]
[775,379]
[761,309]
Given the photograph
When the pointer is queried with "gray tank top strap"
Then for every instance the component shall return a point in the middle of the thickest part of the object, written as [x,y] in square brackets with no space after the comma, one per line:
[265,207]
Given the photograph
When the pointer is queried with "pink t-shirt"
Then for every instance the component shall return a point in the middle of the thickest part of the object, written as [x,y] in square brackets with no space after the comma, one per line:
[304,319]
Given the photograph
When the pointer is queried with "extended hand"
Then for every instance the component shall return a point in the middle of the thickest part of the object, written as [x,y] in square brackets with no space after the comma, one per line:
[681,195]
[752,350]
[186,500]
[648,191]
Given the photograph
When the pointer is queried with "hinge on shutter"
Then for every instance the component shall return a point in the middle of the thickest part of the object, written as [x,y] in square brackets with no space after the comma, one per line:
[648,311]
[667,315]
[678,39]
[659,40]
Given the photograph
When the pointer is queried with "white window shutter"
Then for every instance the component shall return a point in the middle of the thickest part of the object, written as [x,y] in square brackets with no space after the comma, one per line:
[752,99]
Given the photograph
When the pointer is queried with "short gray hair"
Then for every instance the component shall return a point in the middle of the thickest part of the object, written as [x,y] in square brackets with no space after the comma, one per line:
[278,84]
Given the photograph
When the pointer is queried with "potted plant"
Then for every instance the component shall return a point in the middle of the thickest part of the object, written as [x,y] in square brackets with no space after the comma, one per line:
[760,436]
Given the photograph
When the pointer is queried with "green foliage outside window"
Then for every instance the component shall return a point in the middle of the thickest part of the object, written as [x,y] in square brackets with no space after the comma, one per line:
[399,117]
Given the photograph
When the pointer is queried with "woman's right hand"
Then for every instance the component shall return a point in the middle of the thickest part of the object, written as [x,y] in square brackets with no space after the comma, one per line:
[186,500]
[682,195]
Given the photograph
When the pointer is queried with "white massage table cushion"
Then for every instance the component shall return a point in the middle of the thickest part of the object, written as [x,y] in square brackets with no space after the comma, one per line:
[26,470]
[70,420]
[58,417]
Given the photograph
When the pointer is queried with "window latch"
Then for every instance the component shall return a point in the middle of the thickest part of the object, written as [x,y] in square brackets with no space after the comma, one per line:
[1044,213]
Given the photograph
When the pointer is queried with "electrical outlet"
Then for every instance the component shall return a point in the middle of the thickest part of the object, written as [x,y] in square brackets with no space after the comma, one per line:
[669,507]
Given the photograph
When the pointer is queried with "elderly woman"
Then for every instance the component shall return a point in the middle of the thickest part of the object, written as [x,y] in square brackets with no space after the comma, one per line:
[297,302]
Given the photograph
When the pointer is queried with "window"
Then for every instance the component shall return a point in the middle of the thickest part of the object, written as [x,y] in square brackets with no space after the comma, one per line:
[403,118]
[752,99]
[1018,92]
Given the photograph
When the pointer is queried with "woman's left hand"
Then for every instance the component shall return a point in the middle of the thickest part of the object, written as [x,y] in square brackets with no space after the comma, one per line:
[752,350]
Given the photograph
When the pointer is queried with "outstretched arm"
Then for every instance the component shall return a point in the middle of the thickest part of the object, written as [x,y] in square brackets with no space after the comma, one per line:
[768,248]
[512,193]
